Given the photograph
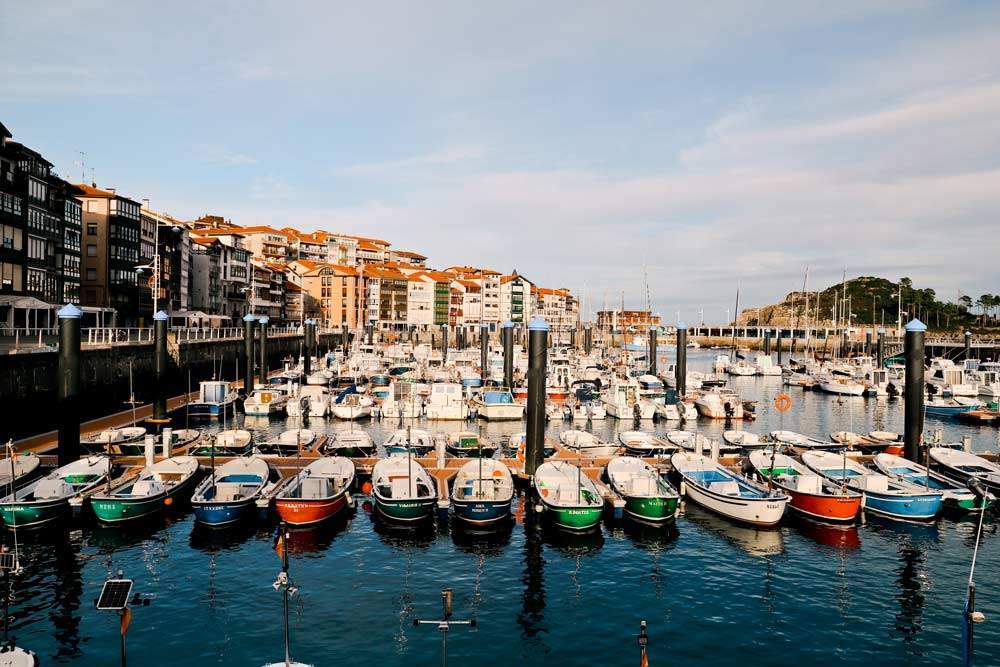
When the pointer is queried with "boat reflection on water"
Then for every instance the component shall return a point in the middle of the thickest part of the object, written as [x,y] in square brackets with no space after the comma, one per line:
[316,539]
[573,543]
[754,541]
[111,537]
[837,536]
[651,537]
[230,538]
[488,541]
[400,536]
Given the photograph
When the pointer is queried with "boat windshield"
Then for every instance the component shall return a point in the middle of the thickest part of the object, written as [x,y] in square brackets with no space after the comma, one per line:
[497,397]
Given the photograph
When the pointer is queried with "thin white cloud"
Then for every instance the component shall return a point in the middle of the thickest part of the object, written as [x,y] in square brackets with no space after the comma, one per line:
[451,156]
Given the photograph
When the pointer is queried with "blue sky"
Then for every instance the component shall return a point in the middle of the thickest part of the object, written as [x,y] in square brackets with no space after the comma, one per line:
[577,142]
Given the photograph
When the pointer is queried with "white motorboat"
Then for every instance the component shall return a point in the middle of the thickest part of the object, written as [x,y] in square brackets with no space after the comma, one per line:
[640,443]
[841,386]
[497,405]
[265,402]
[622,400]
[587,444]
[352,406]
[742,439]
[446,402]
[719,404]
[720,490]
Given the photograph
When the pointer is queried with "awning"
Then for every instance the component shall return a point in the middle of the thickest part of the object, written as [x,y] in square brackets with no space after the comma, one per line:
[25,302]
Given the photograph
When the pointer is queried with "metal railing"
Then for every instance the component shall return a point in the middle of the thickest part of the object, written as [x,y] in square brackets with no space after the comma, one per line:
[112,335]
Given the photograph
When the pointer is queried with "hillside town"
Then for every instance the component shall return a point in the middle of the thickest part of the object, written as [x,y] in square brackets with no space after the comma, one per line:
[121,260]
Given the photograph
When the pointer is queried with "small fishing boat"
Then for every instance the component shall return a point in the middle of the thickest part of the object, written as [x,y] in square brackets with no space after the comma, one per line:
[182,437]
[403,490]
[648,497]
[230,491]
[127,441]
[161,485]
[668,411]
[569,498]
[466,444]
[47,499]
[482,492]
[689,413]
[955,497]
[293,442]
[588,410]
[497,405]
[694,442]
[882,495]
[949,407]
[640,443]
[352,406]
[318,492]
[841,386]
[265,403]
[356,444]
[866,443]
[232,442]
[962,466]
[742,439]
[793,439]
[811,495]
[716,488]
[587,444]
[215,398]
[557,411]
[311,400]
[19,469]
[719,404]
[414,440]
[516,443]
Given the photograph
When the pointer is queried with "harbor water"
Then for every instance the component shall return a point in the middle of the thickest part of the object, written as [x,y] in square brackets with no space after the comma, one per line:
[712,592]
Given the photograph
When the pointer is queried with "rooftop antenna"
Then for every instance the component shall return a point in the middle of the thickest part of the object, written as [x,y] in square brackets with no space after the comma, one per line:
[445,623]
[83,167]
[93,179]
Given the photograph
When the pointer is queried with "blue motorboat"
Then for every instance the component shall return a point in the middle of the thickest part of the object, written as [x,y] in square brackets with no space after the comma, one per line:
[215,399]
[482,492]
[230,492]
[949,407]
[882,495]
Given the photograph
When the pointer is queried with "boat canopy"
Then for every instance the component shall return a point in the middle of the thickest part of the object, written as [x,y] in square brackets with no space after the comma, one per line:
[497,397]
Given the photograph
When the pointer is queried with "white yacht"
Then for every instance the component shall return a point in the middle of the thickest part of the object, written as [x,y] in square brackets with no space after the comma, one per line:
[446,402]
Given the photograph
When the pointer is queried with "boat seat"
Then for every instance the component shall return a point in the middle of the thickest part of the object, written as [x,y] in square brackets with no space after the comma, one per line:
[875,483]
[315,487]
[804,483]
[727,488]
[53,488]
[569,495]
[642,486]
[147,487]
[400,487]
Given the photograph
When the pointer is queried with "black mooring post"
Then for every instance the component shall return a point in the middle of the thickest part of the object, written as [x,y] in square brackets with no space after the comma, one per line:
[680,368]
[371,333]
[767,342]
[777,343]
[588,339]
[879,347]
[160,322]
[344,336]
[968,344]
[507,335]
[913,407]
[69,384]
[306,349]
[652,350]
[444,344]
[263,320]
[484,350]
[538,344]
[248,356]
[868,343]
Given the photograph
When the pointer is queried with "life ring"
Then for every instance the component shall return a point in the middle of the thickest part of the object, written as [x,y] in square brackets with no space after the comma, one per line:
[782,402]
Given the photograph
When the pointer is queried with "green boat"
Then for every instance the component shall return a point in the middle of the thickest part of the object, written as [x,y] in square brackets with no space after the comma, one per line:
[648,497]
[403,490]
[569,498]
[161,485]
[47,499]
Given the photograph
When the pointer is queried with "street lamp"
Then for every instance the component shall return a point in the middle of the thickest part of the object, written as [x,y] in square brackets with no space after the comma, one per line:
[154,265]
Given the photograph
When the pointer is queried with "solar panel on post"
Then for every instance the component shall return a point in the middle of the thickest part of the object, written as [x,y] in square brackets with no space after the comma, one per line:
[115,594]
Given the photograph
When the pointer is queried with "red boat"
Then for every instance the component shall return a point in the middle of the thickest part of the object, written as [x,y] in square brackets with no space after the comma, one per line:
[811,495]
[317,493]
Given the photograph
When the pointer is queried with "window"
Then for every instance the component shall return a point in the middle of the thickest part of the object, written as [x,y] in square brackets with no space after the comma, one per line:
[91,250]
[36,249]
[37,190]
[91,229]
[10,277]
[10,237]
[91,274]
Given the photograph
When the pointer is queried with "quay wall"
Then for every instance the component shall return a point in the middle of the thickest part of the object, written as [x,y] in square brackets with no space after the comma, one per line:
[28,381]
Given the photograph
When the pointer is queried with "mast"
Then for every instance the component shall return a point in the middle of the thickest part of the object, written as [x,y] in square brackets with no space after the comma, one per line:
[736,316]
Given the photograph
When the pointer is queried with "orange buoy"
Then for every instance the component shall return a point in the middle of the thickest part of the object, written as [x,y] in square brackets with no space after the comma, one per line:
[366,487]
[168,501]
[782,402]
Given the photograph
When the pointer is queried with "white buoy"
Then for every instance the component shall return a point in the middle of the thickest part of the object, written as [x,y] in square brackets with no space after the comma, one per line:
[150,449]
[168,442]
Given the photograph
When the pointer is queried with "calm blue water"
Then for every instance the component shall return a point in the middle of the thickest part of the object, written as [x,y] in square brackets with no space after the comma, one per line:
[712,592]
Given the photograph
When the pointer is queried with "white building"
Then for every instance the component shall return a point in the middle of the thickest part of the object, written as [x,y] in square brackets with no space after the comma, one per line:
[420,301]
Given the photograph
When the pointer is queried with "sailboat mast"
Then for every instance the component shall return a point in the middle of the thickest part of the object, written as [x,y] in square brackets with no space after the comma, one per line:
[736,316]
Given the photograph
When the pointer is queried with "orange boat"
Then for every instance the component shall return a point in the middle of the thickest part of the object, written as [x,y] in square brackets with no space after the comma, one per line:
[811,495]
[317,493]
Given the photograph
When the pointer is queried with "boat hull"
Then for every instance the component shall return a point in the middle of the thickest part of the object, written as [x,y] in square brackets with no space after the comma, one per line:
[651,509]
[405,511]
[121,510]
[764,512]
[823,507]
[222,514]
[479,512]
[573,518]
[304,512]
[31,514]
[905,508]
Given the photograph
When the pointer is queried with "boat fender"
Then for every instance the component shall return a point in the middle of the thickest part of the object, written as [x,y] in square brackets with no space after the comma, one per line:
[683,489]
[539,508]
